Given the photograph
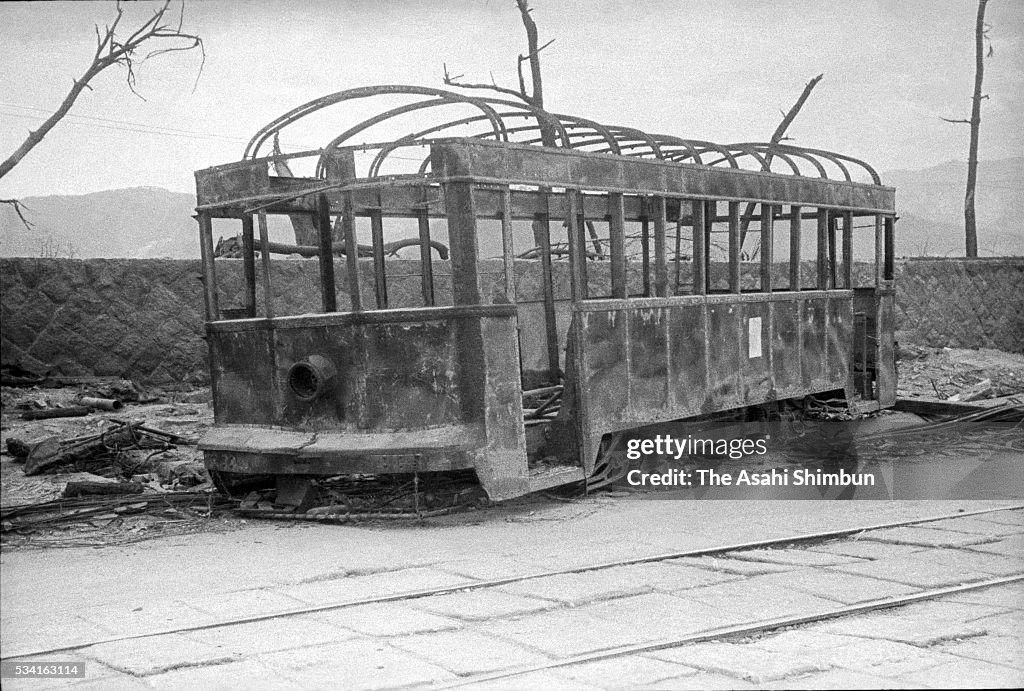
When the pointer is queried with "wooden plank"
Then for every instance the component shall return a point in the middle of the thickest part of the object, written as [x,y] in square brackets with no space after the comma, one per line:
[249,266]
[660,269]
[679,250]
[735,284]
[542,236]
[209,270]
[822,247]
[617,242]
[890,248]
[879,249]
[268,291]
[508,251]
[326,258]
[700,279]
[462,238]
[645,246]
[380,279]
[833,263]
[583,226]
[847,249]
[577,250]
[767,247]
[348,226]
[795,243]
[426,261]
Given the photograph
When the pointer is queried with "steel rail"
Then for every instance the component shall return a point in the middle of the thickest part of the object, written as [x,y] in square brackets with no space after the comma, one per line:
[747,629]
[445,590]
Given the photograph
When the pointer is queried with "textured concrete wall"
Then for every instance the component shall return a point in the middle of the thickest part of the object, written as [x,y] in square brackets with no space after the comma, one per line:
[143,318]
[963,303]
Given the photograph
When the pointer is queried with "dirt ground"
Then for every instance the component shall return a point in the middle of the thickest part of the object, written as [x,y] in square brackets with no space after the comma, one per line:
[177,497]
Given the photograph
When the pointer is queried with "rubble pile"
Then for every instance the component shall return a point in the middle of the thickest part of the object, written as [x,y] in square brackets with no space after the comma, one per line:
[80,462]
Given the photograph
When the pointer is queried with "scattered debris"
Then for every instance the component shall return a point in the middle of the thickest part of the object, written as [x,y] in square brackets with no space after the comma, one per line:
[70,411]
[101,403]
[958,374]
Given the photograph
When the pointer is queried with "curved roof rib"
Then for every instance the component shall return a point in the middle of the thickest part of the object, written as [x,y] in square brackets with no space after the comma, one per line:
[511,121]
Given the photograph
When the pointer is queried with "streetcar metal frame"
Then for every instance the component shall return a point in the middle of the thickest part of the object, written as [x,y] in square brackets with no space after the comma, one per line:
[390,388]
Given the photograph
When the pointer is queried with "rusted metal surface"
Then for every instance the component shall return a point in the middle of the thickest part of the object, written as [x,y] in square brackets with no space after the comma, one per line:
[385,390]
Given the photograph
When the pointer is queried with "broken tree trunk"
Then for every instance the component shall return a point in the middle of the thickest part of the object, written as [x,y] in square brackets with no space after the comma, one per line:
[777,137]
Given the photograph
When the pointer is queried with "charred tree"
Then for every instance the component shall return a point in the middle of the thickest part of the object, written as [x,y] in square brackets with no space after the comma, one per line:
[970,219]
[110,51]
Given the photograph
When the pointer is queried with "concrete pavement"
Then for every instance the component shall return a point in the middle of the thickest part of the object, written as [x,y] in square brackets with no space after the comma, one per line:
[62,597]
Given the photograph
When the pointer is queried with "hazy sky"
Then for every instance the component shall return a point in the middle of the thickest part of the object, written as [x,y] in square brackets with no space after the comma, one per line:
[720,70]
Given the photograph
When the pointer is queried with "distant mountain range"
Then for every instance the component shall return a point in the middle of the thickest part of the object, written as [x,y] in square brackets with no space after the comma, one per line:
[150,222]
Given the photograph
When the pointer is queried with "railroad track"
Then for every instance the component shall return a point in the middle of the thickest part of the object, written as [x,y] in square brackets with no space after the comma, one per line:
[711,634]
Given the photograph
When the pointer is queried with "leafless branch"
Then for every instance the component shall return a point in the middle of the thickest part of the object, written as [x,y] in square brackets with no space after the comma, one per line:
[110,51]
[19,209]
[956,122]
[777,136]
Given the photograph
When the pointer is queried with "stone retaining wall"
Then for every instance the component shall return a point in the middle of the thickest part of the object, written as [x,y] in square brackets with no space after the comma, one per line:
[142,319]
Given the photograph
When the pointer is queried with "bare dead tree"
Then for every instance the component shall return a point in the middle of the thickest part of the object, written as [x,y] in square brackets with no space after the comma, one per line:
[778,136]
[110,51]
[970,220]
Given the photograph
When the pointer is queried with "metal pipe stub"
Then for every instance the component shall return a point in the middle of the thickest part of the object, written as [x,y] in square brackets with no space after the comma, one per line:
[311,378]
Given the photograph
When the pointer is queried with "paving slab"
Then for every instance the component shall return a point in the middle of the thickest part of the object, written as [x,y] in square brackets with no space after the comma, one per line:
[658,616]
[1009,596]
[414,579]
[1009,624]
[977,525]
[811,641]
[1015,517]
[631,672]
[731,566]
[549,680]
[1001,650]
[485,603]
[843,588]
[750,601]
[355,664]
[839,679]
[271,635]
[1009,546]
[136,617]
[578,588]
[968,674]
[922,536]
[948,609]
[745,662]
[701,682]
[914,570]
[468,652]
[497,569]
[243,603]
[155,654]
[866,549]
[884,658]
[331,591]
[970,560]
[245,674]
[921,631]
[562,633]
[793,557]
[670,576]
[387,619]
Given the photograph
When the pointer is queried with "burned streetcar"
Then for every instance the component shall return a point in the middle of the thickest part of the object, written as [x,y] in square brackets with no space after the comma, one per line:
[637,279]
